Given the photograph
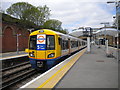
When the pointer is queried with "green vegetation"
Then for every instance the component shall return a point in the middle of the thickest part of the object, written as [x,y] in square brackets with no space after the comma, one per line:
[32,17]
[26,24]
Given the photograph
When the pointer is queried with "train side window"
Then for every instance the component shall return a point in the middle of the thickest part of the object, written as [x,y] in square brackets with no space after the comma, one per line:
[65,44]
[72,44]
[79,43]
[59,40]
[76,43]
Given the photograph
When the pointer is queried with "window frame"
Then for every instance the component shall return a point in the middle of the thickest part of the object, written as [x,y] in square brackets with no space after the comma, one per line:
[35,42]
[47,42]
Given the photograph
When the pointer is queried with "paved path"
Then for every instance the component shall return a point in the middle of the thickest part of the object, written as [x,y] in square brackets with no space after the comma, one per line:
[92,70]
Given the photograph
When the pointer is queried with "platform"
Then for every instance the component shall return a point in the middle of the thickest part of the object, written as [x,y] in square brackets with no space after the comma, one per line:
[11,55]
[92,70]
[82,70]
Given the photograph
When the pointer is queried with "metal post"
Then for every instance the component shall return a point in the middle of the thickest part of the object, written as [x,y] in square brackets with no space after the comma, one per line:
[117,34]
[88,44]
[107,51]
[117,47]
[105,35]
[114,41]
[116,5]
[18,43]
[98,40]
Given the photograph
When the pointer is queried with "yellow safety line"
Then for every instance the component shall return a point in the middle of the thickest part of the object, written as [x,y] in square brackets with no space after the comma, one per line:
[47,81]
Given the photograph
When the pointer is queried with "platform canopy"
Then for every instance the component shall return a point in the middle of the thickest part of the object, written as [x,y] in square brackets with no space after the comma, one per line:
[107,31]
[77,33]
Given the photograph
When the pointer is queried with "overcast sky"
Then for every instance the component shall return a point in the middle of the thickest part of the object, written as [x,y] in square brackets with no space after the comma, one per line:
[74,13]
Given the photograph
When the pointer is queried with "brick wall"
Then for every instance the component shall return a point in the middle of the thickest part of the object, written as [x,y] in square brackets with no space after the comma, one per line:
[9,37]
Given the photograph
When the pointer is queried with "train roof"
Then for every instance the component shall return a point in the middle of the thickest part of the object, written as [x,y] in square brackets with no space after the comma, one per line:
[51,32]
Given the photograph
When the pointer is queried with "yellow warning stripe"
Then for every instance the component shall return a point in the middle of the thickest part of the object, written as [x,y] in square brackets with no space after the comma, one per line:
[52,81]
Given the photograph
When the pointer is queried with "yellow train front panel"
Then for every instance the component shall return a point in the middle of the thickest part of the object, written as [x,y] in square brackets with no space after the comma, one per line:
[47,45]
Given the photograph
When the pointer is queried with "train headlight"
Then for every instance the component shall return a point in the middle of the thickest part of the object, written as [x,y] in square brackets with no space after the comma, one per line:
[51,55]
[31,54]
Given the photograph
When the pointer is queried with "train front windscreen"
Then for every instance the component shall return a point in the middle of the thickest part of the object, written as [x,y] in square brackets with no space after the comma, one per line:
[32,42]
[42,42]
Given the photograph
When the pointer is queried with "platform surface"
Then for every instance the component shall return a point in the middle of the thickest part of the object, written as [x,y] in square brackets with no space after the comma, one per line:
[10,55]
[92,70]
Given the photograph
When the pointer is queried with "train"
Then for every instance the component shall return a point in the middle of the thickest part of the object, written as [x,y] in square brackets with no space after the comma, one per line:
[46,47]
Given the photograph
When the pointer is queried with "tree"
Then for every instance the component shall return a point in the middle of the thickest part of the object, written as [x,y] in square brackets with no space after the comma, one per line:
[53,24]
[27,12]
[37,15]
[43,15]
[17,10]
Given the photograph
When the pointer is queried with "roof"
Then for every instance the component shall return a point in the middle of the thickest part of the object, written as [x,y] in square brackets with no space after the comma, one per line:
[107,31]
[77,33]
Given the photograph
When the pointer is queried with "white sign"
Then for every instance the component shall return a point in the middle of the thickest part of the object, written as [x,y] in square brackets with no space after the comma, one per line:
[41,39]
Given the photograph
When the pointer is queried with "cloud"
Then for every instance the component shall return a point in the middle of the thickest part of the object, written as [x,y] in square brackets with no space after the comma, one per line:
[76,13]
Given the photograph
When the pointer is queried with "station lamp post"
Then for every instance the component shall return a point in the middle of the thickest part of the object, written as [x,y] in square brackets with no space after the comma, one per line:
[18,43]
[30,30]
[88,34]
[117,5]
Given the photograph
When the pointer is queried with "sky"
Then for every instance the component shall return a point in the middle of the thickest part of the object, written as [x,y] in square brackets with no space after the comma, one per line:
[74,13]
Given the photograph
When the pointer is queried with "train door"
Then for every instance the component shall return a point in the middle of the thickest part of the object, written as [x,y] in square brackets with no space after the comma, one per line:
[69,46]
[59,47]
[50,46]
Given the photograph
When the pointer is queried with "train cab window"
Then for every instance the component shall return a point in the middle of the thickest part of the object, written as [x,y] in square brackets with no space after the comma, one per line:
[50,42]
[32,44]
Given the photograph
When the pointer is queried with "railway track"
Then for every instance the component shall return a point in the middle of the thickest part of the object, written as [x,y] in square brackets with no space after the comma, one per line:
[15,66]
[15,74]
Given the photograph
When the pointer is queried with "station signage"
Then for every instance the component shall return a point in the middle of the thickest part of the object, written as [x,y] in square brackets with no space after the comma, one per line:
[41,42]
